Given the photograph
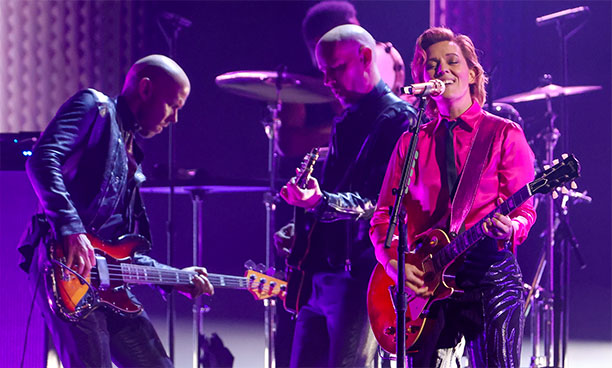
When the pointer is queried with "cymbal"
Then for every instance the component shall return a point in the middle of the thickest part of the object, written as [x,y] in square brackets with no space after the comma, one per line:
[551,90]
[261,85]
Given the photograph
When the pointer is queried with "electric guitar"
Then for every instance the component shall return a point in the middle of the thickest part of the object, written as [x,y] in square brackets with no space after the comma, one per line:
[73,297]
[435,253]
[298,282]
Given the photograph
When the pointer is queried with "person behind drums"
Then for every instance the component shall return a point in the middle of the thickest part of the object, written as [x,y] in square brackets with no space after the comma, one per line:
[331,247]
[489,314]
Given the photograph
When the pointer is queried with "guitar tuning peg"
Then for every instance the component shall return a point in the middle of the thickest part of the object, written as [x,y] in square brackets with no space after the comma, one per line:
[546,167]
[271,271]
[564,190]
[555,161]
[573,185]
[249,265]
[280,275]
[260,267]
[555,195]
[564,156]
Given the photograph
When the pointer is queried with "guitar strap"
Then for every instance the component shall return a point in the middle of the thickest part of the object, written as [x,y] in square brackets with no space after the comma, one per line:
[472,172]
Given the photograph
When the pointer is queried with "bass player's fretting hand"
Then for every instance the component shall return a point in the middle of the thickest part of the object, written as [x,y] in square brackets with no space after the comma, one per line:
[200,283]
[80,254]
[414,278]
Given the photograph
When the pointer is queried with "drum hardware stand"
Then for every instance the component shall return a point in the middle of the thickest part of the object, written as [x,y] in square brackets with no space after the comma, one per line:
[543,326]
[558,256]
[550,312]
[561,265]
[556,331]
[199,309]
[272,125]
[175,22]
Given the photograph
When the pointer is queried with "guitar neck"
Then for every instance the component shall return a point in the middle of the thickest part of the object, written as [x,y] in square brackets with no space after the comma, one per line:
[471,236]
[137,274]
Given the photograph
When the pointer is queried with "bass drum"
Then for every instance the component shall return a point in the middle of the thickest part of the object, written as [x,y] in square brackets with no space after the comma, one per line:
[391,66]
[505,111]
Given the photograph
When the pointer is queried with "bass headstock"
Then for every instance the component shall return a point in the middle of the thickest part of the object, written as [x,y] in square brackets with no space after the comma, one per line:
[263,286]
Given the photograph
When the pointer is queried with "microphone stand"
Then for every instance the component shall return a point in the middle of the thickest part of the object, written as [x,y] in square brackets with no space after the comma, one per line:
[558,256]
[398,214]
[176,23]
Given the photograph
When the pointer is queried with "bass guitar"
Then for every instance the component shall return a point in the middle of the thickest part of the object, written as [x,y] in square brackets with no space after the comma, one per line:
[298,281]
[434,255]
[73,297]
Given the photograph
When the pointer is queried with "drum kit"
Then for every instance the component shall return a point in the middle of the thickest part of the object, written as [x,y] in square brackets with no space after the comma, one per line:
[277,87]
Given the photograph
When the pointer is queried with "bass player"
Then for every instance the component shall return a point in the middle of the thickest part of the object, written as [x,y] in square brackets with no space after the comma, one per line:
[86,172]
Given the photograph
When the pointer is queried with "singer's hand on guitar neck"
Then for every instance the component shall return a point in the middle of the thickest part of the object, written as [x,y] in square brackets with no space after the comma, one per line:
[307,198]
[414,278]
[498,227]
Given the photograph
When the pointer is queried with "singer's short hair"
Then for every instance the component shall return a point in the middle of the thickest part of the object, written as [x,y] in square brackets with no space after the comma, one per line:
[439,34]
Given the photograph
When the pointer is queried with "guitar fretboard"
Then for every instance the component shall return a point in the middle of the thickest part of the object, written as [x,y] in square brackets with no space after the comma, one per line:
[471,236]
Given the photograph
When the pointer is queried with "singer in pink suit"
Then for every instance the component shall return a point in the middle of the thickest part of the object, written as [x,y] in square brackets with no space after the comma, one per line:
[486,321]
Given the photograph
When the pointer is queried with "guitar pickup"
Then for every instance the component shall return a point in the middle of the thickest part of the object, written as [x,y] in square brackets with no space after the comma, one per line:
[102,267]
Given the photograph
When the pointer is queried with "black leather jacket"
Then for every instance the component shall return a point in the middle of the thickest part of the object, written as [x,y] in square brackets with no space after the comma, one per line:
[361,145]
[79,170]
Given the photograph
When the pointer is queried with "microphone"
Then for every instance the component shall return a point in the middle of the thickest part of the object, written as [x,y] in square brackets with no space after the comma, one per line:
[561,15]
[434,87]
[176,19]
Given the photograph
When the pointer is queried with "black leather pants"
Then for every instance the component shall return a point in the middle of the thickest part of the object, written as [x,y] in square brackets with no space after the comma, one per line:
[489,316]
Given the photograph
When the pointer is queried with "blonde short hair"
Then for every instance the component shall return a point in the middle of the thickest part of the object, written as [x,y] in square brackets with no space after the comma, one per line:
[439,34]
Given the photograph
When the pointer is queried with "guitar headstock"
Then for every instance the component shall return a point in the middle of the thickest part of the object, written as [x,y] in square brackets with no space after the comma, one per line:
[306,167]
[263,286]
[563,172]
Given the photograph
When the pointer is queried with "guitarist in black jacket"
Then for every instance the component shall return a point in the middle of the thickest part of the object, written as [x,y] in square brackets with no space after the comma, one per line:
[332,256]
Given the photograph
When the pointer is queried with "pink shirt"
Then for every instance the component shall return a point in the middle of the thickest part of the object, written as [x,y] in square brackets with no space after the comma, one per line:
[509,166]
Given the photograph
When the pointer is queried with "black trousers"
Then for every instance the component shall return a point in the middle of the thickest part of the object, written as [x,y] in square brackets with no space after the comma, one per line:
[489,316]
[333,329]
[103,337]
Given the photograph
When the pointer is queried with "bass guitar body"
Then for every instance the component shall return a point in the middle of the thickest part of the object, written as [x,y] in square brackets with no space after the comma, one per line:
[74,299]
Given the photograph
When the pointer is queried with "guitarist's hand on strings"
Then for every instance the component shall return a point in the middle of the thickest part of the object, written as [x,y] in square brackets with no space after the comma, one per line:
[80,254]
[307,198]
[414,278]
[200,284]
[499,226]
[283,239]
